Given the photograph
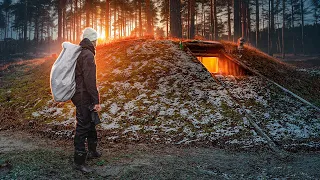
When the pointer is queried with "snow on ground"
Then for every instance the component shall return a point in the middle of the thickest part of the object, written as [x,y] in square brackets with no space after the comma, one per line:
[156,92]
[313,72]
[282,117]
[57,113]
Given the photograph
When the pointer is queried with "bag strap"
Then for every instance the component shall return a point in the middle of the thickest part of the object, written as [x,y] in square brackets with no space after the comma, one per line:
[82,84]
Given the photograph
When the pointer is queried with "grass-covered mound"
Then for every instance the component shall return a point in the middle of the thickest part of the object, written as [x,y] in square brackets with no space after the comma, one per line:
[24,89]
[151,91]
[301,83]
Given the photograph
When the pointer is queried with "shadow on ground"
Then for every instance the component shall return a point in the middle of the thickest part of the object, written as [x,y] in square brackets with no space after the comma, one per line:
[24,156]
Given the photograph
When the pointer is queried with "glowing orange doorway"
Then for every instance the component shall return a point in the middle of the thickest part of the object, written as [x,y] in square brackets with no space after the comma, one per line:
[211,63]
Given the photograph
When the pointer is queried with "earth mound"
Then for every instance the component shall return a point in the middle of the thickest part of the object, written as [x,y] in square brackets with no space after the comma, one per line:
[152,91]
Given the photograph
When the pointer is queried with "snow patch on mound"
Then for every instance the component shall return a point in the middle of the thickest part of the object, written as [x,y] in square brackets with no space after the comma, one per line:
[282,117]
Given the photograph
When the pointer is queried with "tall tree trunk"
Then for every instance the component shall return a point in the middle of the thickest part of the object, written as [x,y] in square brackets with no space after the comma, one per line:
[272,30]
[140,18]
[204,18]
[107,19]
[175,19]
[135,21]
[229,20]
[248,26]
[6,25]
[121,22]
[88,10]
[76,16]
[148,14]
[188,20]
[42,31]
[292,30]
[236,19]
[192,12]
[64,23]
[244,18]
[269,28]
[30,28]
[302,25]
[125,24]
[167,16]
[257,23]
[79,20]
[215,26]
[115,20]
[283,26]
[95,20]
[25,25]
[11,29]
[211,21]
[49,39]
[196,22]
[73,21]
[36,29]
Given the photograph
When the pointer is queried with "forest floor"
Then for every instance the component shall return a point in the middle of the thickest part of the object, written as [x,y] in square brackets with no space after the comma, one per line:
[308,62]
[26,156]
[15,58]
[305,63]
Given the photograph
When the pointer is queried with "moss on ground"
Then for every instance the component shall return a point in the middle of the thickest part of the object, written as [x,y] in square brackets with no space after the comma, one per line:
[42,164]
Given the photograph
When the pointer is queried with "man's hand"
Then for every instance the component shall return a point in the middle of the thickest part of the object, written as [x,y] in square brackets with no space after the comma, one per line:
[97,107]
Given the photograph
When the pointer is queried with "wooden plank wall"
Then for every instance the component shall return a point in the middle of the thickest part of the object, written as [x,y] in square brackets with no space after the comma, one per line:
[228,67]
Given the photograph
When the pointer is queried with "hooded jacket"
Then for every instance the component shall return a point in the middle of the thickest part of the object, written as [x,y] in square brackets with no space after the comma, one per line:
[86,71]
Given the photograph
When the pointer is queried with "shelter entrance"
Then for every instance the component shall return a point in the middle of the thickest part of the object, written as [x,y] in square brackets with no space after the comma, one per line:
[211,55]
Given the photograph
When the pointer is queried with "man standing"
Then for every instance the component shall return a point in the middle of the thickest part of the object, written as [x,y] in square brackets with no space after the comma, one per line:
[86,96]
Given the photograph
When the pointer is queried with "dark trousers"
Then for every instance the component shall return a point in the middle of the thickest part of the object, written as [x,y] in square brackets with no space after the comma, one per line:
[85,128]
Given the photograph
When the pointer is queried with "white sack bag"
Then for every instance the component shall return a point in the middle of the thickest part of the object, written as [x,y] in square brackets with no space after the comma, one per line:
[62,76]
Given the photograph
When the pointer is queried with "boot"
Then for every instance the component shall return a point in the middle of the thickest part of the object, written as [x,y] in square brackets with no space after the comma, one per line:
[93,153]
[79,160]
